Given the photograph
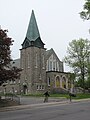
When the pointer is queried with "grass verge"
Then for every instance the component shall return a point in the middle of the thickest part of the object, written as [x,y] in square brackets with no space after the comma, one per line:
[78,96]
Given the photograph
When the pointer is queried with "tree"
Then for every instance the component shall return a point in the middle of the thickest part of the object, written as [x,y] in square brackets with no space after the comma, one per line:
[78,58]
[85,14]
[6,71]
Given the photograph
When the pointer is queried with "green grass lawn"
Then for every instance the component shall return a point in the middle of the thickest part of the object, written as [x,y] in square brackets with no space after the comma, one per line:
[78,96]
[82,96]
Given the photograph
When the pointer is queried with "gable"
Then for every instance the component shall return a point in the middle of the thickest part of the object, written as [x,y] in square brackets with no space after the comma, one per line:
[52,62]
[26,43]
[50,52]
[37,43]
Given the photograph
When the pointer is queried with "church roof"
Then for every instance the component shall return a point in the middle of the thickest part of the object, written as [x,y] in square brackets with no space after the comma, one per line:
[32,32]
[32,36]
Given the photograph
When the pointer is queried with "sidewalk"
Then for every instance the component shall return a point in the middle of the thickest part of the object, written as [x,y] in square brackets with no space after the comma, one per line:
[20,107]
[27,106]
[36,100]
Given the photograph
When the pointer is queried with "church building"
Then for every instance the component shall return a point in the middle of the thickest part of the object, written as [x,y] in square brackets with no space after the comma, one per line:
[42,70]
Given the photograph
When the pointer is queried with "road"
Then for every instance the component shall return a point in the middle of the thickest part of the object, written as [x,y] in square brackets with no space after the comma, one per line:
[67,111]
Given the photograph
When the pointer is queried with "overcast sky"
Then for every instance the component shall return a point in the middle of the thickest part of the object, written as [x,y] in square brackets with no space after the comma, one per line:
[58,21]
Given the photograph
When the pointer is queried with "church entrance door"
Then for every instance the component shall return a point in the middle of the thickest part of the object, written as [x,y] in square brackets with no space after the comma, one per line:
[25,89]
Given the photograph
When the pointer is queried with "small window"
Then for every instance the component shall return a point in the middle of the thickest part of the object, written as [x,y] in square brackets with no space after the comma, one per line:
[37,87]
[40,87]
[49,81]
[14,81]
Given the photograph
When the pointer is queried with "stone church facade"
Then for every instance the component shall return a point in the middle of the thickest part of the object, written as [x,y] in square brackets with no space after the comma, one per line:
[41,68]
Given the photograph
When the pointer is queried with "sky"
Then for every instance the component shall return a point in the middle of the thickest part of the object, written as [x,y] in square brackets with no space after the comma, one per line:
[58,21]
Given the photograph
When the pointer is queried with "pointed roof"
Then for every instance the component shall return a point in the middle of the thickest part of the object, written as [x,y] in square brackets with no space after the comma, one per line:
[33,37]
[32,32]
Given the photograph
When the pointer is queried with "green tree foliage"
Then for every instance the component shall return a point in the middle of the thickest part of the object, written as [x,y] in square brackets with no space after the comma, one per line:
[6,71]
[77,58]
[85,14]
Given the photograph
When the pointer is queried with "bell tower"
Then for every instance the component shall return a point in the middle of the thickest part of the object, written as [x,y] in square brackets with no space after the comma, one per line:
[32,60]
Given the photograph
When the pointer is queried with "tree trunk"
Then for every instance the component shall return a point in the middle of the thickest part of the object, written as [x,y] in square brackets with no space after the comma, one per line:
[83,82]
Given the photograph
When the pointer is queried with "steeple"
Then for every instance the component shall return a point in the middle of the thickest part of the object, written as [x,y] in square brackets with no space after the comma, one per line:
[32,35]
[32,32]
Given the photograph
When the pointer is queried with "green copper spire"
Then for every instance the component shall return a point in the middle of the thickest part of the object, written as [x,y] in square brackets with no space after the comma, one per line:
[32,32]
[33,38]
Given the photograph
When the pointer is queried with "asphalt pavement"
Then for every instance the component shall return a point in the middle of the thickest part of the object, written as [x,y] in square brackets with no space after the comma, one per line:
[49,111]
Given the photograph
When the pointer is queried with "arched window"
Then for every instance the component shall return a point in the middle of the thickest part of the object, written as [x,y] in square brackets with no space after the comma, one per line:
[52,63]
[57,82]
[36,64]
[28,60]
[43,61]
[64,82]
[49,82]
[57,66]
